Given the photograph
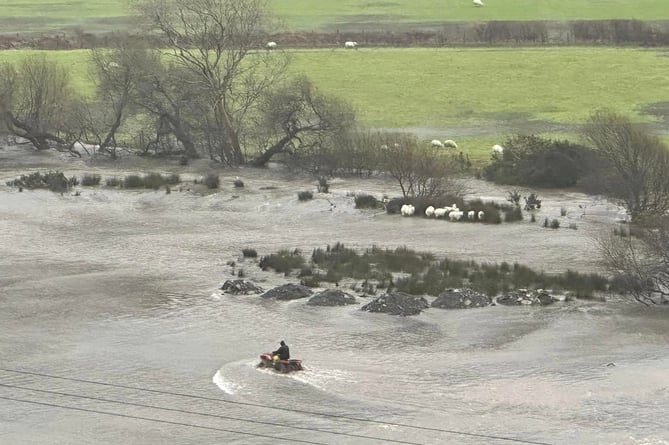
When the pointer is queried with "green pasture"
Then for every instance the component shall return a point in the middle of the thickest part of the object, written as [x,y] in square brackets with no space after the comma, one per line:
[108,15]
[475,96]
[449,87]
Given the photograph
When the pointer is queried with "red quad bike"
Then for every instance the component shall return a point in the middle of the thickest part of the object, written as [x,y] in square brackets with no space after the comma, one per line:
[283,366]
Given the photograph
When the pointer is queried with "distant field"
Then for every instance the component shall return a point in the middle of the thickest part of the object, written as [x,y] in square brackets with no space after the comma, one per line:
[107,15]
[473,95]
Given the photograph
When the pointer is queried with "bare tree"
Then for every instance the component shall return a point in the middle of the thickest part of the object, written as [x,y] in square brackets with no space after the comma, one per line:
[117,74]
[640,160]
[301,118]
[32,96]
[640,263]
[218,42]
[420,170]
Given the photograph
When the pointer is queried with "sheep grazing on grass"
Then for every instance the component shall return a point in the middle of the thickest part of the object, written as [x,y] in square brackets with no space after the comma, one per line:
[450,143]
[481,215]
[429,211]
[470,214]
[350,44]
[497,149]
[437,143]
[407,210]
[270,45]
[478,3]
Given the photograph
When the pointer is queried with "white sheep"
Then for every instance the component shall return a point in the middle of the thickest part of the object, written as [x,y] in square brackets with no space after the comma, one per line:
[407,210]
[429,211]
[478,3]
[470,214]
[450,143]
[270,45]
[456,215]
[350,44]
[440,212]
[437,143]
[497,149]
[481,215]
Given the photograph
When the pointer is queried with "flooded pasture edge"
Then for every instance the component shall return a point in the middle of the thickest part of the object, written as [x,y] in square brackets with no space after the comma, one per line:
[113,327]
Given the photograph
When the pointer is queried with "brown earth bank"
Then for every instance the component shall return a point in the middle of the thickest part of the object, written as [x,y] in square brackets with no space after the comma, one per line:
[427,34]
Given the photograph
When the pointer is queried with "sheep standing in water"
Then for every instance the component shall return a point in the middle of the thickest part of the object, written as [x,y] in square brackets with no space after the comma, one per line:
[407,210]
[455,215]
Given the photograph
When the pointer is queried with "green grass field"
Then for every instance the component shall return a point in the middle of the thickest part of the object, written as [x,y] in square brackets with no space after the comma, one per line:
[475,95]
[107,15]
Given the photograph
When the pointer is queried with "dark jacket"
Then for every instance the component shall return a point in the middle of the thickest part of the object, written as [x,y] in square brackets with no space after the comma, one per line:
[283,352]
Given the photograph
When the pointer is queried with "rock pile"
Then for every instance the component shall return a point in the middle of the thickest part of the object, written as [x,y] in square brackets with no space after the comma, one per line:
[288,291]
[461,299]
[397,303]
[331,297]
[240,287]
[524,296]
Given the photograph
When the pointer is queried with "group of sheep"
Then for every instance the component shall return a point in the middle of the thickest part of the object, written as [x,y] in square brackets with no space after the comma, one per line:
[447,143]
[453,213]
[348,44]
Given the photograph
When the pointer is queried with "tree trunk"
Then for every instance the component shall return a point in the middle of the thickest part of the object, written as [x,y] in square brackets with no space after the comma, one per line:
[263,158]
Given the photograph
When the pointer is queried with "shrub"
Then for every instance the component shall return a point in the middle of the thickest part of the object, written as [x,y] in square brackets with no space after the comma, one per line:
[168,190]
[172,179]
[284,261]
[555,224]
[249,253]
[305,196]
[90,179]
[514,214]
[153,181]
[533,218]
[537,161]
[133,182]
[73,181]
[364,201]
[114,181]
[212,181]
[563,211]
[323,186]
[238,183]
[52,180]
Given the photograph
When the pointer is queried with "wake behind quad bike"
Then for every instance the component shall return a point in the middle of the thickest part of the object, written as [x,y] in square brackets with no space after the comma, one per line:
[284,366]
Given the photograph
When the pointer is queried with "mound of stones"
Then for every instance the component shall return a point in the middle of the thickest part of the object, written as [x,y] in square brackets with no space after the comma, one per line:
[461,299]
[397,303]
[524,296]
[240,287]
[332,297]
[288,291]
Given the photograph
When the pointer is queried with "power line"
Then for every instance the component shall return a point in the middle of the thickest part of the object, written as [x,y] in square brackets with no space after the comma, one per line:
[127,416]
[294,410]
[220,416]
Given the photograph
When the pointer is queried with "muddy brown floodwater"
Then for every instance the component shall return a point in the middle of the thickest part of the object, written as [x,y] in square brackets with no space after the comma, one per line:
[113,329]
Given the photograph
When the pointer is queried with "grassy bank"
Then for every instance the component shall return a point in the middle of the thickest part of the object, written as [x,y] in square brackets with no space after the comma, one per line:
[109,15]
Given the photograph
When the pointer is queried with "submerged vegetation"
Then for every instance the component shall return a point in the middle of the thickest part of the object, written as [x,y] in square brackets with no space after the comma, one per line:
[421,273]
